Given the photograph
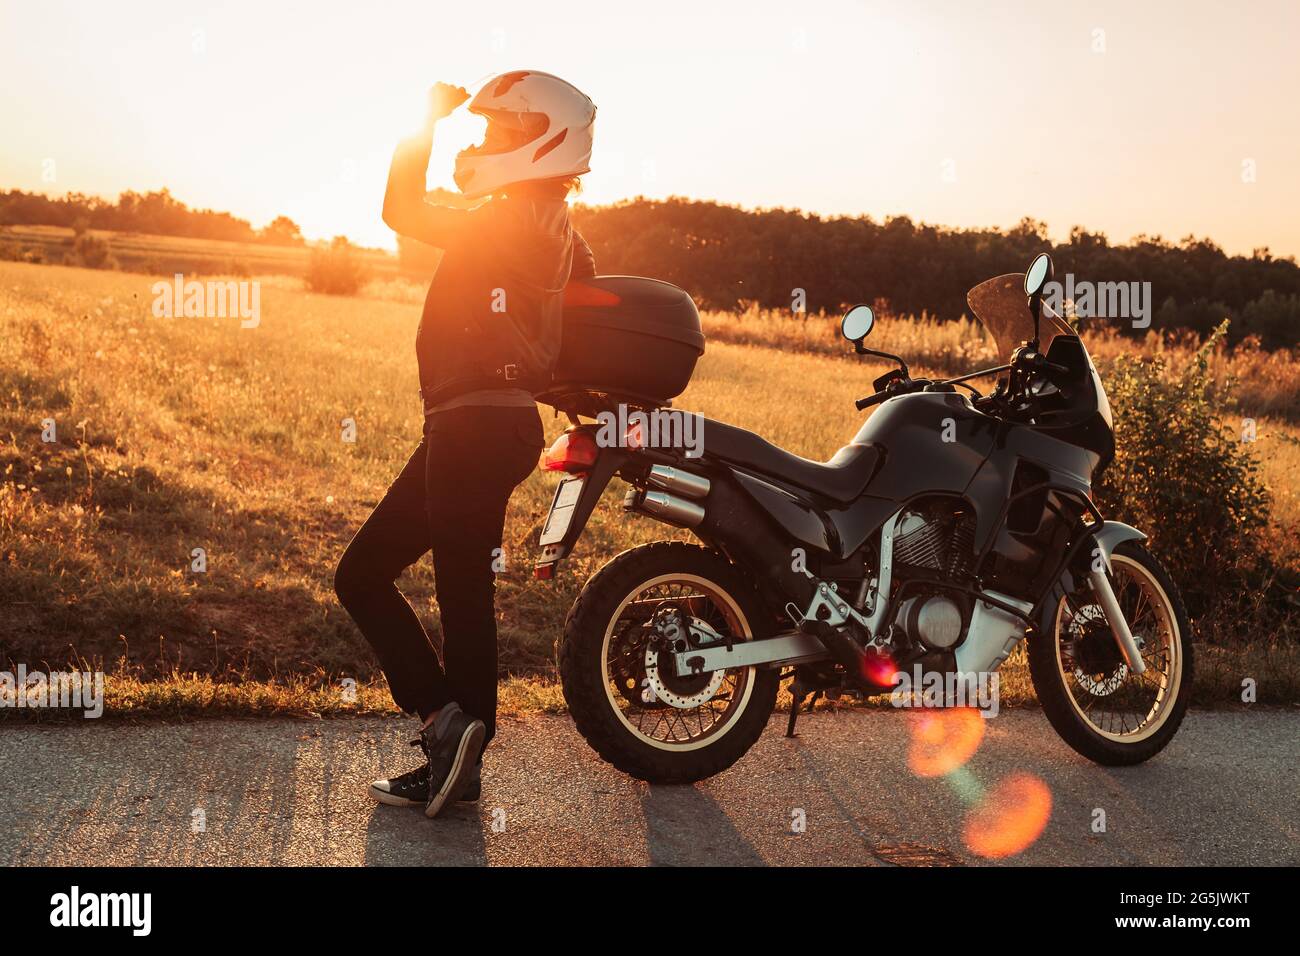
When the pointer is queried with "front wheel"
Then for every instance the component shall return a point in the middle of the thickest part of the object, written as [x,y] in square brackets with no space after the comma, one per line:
[1098,706]
[616,664]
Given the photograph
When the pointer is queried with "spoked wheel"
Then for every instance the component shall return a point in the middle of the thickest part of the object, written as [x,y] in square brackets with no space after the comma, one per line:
[618,668]
[1096,703]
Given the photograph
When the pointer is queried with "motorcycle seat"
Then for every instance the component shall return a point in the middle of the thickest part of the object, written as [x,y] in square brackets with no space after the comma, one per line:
[842,479]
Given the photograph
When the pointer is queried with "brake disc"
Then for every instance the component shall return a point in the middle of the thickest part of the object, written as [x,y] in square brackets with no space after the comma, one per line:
[681,691]
[1098,666]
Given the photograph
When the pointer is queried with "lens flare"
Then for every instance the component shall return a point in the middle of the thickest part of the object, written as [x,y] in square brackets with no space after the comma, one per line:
[879,669]
[943,740]
[1010,817]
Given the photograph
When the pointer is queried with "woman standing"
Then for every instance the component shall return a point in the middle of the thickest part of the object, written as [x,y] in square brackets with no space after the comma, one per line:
[488,340]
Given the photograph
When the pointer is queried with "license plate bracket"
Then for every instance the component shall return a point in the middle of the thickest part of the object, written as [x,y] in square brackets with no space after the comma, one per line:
[561,514]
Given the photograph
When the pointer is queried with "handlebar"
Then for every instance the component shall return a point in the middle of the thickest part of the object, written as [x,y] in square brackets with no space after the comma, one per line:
[870,400]
[1026,362]
[1039,362]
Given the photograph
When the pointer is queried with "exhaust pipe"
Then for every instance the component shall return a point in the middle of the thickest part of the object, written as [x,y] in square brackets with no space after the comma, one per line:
[666,507]
[675,479]
[733,524]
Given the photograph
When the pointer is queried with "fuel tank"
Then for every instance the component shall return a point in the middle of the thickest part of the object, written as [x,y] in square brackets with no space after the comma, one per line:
[933,443]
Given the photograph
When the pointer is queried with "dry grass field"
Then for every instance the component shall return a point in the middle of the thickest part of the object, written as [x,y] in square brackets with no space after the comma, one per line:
[164,255]
[179,434]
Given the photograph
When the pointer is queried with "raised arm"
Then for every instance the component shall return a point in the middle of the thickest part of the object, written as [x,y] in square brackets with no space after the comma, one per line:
[405,210]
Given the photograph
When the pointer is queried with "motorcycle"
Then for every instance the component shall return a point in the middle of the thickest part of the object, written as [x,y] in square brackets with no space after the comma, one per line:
[954,527]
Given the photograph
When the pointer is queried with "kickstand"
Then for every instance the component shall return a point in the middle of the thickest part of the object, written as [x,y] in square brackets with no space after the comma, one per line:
[795,704]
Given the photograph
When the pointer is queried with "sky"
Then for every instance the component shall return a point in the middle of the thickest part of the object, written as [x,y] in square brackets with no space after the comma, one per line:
[1161,117]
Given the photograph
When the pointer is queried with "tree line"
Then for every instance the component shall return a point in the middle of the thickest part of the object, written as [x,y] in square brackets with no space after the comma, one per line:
[731,258]
[153,213]
[728,258]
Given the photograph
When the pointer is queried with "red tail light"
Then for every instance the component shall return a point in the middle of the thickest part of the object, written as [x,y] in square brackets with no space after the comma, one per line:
[577,295]
[574,451]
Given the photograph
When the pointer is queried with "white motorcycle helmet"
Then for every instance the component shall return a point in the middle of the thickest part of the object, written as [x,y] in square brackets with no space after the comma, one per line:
[539,128]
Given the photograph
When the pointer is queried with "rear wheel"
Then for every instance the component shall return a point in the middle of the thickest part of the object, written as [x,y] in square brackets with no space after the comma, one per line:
[1092,699]
[616,664]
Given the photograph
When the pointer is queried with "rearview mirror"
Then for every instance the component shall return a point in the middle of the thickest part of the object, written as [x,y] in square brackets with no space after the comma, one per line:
[1039,274]
[857,322]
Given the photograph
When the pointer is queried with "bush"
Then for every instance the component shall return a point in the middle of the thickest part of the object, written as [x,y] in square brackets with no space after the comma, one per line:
[1184,477]
[13,251]
[92,252]
[336,269]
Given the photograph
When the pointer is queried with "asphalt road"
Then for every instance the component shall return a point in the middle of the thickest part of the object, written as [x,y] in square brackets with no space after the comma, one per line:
[1226,791]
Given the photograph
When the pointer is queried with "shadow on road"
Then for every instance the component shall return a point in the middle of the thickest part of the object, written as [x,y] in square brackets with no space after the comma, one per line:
[403,836]
[684,826]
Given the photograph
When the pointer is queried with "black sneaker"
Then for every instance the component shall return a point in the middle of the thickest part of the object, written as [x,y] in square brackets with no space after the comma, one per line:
[453,744]
[473,789]
[411,789]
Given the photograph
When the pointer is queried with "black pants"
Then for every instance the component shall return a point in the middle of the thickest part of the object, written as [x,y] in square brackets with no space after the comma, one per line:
[450,498]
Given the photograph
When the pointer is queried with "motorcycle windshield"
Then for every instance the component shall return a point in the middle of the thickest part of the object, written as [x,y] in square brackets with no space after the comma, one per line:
[1002,308]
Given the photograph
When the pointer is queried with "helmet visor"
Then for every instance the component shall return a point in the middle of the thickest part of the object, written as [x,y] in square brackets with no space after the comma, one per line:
[507,131]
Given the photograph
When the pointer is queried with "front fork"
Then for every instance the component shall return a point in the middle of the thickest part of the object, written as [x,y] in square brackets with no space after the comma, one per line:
[1115,618]
[1106,536]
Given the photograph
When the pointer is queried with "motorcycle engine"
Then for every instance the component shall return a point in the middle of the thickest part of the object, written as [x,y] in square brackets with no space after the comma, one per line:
[937,538]
[935,541]
[935,620]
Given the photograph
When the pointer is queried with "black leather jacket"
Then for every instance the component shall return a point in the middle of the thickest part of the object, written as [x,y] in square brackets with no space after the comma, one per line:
[492,317]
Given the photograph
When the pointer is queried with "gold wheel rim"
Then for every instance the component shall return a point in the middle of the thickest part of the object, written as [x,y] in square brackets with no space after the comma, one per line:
[1121,706]
[666,727]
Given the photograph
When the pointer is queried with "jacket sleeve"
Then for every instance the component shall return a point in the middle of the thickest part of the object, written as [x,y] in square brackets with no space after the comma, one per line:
[584,262]
[405,210]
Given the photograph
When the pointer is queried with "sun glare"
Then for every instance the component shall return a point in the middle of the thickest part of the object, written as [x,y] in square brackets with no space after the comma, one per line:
[943,740]
[1012,815]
